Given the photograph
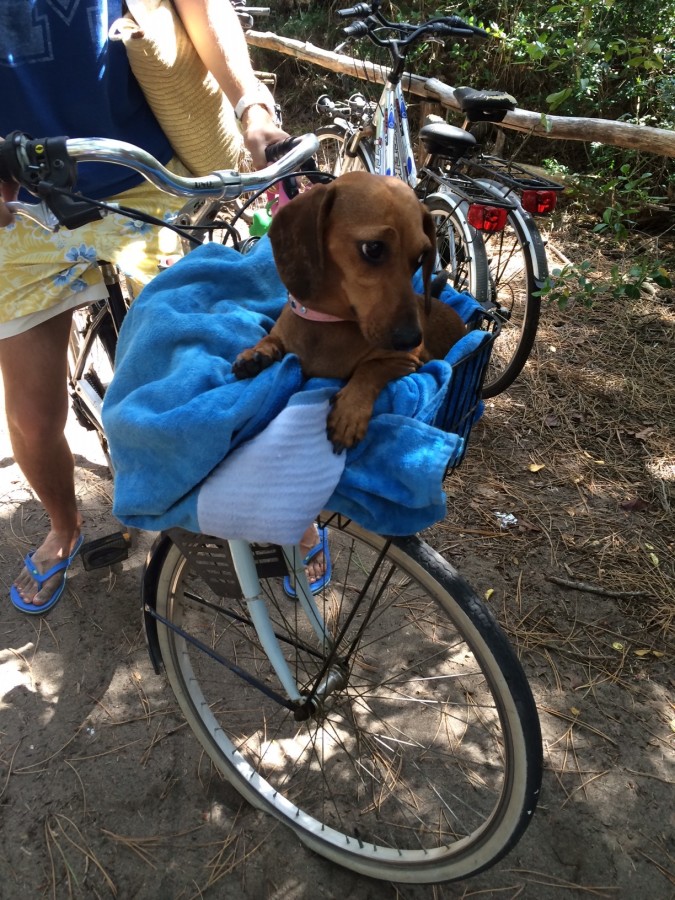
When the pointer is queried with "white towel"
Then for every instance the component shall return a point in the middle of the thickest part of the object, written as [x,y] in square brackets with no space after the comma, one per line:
[272,488]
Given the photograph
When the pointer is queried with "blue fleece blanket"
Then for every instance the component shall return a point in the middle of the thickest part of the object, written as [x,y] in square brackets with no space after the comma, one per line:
[192,446]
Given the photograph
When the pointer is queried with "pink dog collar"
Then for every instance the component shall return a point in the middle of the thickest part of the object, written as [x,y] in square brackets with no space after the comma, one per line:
[312,314]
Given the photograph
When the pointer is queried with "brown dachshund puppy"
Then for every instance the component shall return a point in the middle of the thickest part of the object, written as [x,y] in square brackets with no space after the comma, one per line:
[347,252]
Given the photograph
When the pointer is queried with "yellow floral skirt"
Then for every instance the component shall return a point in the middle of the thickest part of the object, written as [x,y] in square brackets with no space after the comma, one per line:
[44,273]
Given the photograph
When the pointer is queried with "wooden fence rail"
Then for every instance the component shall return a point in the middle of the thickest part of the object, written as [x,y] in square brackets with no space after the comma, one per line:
[565,128]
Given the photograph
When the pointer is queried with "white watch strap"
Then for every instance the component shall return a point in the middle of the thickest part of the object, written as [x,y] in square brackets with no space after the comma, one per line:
[260,96]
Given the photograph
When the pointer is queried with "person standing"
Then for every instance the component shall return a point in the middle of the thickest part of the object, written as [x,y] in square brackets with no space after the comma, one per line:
[61,75]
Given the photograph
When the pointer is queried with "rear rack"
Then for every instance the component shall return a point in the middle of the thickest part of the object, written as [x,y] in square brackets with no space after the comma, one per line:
[464,186]
[511,174]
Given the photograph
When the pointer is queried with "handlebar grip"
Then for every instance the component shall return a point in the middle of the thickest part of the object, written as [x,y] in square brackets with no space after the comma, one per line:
[9,167]
[441,29]
[360,9]
[356,30]
[5,168]
[462,28]
[324,104]
[274,152]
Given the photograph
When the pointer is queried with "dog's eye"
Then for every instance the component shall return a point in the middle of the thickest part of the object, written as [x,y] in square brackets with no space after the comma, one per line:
[373,250]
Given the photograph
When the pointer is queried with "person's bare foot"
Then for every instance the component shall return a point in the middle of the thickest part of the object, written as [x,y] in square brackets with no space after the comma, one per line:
[54,549]
[316,567]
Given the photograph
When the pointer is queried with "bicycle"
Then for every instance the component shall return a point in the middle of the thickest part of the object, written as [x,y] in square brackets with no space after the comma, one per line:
[487,239]
[386,719]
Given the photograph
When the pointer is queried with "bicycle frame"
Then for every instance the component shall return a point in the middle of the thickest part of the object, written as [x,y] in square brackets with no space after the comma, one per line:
[392,144]
[81,388]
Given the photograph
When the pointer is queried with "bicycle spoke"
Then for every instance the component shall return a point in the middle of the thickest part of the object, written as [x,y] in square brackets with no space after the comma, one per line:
[404,752]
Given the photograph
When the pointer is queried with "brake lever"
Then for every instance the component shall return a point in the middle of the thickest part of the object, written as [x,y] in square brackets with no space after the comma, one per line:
[39,213]
[60,211]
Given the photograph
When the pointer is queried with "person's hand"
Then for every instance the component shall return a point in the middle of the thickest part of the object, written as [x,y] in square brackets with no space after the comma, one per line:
[260,130]
[8,191]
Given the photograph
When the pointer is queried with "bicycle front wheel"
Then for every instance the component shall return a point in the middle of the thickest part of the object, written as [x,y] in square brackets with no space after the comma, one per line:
[459,247]
[333,155]
[421,761]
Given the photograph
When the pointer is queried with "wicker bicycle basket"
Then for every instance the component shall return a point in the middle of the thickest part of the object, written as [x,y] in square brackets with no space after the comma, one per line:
[463,404]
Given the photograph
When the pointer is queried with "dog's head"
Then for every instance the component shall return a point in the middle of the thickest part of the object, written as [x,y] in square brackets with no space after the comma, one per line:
[350,248]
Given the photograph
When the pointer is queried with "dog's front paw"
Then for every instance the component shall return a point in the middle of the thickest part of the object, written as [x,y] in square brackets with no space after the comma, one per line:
[251,362]
[347,424]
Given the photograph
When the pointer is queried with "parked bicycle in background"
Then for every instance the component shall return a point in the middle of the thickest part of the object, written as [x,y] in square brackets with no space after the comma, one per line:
[483,206]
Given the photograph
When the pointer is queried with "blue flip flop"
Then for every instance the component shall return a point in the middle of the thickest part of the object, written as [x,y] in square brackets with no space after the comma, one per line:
[40,578]
[321,547]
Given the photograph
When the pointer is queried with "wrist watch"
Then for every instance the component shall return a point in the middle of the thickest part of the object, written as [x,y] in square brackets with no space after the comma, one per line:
[259,96]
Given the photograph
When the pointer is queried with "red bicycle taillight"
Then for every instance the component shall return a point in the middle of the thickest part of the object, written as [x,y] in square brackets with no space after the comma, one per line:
[539,203]
[487,218]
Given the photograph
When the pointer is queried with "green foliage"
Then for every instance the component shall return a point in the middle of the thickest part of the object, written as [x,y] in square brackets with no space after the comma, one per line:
[611,59]
[626,192]
[622,187]
[603,58]
[581,284]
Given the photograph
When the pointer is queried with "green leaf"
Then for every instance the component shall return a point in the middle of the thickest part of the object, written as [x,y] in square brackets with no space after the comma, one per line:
[545,123]
[555,100]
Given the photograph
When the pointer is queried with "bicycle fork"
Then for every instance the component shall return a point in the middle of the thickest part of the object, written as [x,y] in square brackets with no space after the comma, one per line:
[244,566]
[330,671]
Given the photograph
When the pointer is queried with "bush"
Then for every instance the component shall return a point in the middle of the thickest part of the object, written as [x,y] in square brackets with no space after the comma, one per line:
[613,59]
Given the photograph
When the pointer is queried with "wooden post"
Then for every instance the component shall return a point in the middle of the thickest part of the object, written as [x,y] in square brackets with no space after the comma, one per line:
[565,128]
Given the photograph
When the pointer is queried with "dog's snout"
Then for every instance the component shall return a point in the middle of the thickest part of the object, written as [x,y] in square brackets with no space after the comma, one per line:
[406,338]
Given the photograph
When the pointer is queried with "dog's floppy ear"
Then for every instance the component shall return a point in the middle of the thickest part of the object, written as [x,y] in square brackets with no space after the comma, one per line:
[297,236]
[429,263]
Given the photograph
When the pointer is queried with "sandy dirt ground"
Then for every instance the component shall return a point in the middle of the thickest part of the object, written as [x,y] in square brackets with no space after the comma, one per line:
[104,791]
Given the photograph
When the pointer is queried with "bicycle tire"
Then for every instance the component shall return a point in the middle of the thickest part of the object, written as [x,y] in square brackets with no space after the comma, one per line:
[518,268]
[332,153]
[439,802]
[459,246]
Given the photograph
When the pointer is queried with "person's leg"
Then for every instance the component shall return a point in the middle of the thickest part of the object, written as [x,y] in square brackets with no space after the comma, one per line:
[34,370]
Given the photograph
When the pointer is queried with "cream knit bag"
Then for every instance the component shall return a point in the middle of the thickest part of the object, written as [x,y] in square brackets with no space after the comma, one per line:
[187,101]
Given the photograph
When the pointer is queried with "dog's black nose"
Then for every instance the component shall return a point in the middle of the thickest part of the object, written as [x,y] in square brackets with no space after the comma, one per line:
[406,338]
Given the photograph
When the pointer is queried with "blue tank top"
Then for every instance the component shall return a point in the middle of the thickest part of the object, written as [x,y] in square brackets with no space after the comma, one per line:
[60,75]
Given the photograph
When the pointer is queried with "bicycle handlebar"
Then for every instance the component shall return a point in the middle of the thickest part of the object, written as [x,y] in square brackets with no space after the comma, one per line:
[47,168]
[407,34]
